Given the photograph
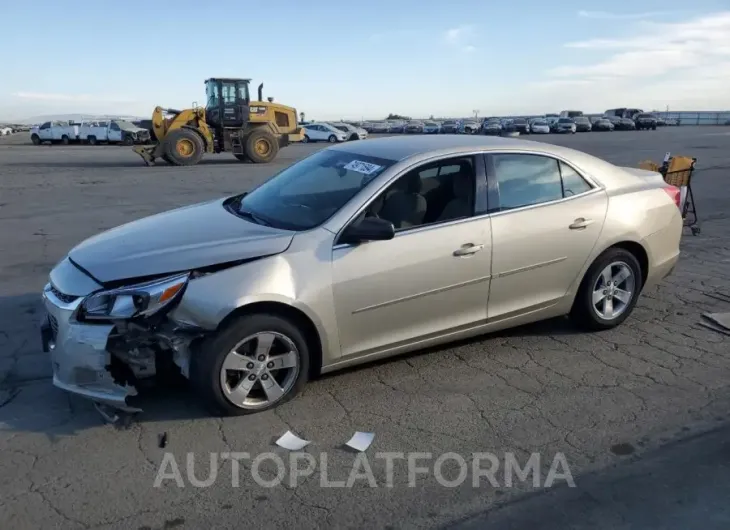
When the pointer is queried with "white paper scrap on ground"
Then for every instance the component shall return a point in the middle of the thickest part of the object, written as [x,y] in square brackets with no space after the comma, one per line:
[360,441]
[292,442]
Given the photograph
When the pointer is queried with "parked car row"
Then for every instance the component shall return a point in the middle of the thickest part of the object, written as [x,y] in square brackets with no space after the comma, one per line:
[332,132]
[569,121]
[92,132]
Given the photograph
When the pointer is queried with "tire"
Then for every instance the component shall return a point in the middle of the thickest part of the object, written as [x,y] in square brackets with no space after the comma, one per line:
[91,140]
[65,140]
[127,140]
[332,139]
[207,374]
[183,147]
[354,137]
[653,127]
[164,157]
[305,140]
[35,139]
[261,146]
[588,315]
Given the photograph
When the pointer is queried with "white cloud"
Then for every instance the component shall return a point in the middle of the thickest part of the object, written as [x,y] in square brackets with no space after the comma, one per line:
[78,98]
[604,15]
[683,64]
[460,38]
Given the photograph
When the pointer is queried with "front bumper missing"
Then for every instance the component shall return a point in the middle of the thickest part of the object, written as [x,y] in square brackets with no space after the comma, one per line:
[79,356]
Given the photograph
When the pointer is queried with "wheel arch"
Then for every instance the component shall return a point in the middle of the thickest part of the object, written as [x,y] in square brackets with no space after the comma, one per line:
[639,252]
[295,315]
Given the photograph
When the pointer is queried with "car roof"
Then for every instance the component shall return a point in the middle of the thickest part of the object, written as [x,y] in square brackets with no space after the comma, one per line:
[421,148]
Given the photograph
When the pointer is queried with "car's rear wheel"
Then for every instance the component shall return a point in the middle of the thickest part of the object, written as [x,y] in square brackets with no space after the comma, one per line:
[255,363]
[609,290]
[332,139]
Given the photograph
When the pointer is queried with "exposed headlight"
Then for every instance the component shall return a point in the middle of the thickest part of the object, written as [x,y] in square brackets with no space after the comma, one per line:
[143,299]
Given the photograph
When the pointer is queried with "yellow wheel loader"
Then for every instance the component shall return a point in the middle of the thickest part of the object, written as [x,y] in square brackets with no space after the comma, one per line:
[230,122]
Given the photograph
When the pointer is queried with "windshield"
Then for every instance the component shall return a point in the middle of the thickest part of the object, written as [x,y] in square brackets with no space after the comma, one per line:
[311,191]
[519,120]
[581,119]
[565,120]
[539,122]
[125,125]
[449,122]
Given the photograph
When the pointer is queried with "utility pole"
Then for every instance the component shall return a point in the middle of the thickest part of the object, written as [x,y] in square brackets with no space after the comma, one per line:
[476,114]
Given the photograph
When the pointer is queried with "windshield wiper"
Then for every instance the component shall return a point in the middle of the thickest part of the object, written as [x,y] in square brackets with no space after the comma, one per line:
[252,217]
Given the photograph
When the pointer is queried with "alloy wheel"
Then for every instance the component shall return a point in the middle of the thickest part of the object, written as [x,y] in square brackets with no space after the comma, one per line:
[613,290]
[260,370]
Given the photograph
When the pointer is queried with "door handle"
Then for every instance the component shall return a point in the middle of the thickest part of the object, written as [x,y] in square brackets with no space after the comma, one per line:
[580,224]
[468,249]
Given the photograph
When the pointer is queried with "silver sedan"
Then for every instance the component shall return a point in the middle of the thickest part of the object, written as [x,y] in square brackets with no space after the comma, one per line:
[357,252]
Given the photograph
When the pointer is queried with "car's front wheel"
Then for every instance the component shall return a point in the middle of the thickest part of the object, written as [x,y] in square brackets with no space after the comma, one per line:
[609,290]
[253,364]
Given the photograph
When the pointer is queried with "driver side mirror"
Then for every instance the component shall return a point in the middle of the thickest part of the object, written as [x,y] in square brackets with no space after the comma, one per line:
[368,229]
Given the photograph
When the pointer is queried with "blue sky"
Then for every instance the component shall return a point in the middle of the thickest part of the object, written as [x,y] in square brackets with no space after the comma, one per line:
[339,59]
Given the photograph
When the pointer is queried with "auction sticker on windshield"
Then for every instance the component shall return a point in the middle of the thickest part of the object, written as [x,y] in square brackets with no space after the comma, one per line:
[362,167]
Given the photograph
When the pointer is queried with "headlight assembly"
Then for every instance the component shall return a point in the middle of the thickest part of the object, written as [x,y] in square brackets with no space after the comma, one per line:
[140,300]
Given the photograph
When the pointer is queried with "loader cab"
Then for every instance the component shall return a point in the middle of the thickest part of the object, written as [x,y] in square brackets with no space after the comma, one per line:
[227,102]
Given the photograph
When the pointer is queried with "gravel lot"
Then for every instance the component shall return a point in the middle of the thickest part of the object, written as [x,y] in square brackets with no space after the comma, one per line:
[600,399]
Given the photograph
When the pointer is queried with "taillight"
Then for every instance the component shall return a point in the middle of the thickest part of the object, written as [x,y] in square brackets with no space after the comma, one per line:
[675,193]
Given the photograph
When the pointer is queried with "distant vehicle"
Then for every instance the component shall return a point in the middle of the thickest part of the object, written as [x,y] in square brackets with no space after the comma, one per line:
[625,124]
[379,127]
[603,124]
[431,127]
[353,132]
[114,131]
[671,122]
[661,122]
[492,127]
[414,127]
[582,124]
[449,127]
[594,119]
[323,132]
[6,131]
[564,125]
[631,113]
[54,132]
[521,125]
[570,114]
[469,127]
[540,127]
[396,127]
[645,121]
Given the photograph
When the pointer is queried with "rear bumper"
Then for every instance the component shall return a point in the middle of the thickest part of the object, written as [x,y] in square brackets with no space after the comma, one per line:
[663,250]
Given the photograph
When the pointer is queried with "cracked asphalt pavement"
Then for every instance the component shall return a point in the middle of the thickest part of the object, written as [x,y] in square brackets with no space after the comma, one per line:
[600,399]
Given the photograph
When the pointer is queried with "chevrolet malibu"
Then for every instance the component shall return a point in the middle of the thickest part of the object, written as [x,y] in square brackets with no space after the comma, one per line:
[358,252]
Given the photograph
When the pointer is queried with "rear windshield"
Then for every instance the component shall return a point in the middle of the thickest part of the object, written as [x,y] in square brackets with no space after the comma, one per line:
[565,120]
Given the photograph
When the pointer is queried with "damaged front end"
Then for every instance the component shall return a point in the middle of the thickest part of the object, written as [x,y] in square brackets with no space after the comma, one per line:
[104,344]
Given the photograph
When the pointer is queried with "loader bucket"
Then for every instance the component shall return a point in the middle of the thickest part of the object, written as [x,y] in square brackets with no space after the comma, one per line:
[148,153]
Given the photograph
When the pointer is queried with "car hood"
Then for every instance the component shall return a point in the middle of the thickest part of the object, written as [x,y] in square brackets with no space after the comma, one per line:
[182,239]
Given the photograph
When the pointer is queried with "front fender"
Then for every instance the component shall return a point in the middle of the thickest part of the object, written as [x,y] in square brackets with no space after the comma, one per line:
[297,278]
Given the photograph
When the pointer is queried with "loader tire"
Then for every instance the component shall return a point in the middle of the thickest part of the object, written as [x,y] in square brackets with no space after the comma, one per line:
[183,147]
[241,158]
[261,146]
